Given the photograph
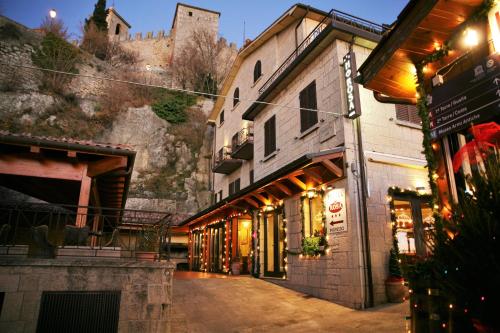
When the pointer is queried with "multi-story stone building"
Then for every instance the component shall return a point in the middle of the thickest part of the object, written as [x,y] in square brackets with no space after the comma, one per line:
[300,181]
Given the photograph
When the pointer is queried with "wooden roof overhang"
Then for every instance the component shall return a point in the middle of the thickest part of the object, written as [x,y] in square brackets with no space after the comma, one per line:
[304,173]
[52,169]
[421,28]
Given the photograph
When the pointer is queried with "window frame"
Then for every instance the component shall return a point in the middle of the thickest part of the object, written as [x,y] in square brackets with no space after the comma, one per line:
[270,136]
[236,97]
[257,71]
[221,118]
[308,99]
[407,114]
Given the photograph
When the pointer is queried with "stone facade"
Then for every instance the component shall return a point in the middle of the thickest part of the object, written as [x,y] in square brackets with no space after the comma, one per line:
[392,157]
[117,26]
[146,290]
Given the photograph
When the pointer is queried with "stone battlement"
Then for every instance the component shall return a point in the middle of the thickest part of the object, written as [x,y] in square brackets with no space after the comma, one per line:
[148,36]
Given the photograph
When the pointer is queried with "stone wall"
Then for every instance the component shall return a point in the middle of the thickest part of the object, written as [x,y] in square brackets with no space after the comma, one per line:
[146,290]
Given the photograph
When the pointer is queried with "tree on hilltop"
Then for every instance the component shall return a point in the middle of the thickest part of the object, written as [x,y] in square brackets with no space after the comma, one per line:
[98,17]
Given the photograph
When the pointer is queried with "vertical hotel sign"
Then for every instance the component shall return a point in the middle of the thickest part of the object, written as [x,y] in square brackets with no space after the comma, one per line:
[352,93]
[494,22]
[336,221]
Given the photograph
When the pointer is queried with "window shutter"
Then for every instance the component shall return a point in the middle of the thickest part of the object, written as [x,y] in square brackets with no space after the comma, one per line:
[270,136]
[307,99]
[221,117]
[251,177]
[408,113]
[236,185]
[231,188]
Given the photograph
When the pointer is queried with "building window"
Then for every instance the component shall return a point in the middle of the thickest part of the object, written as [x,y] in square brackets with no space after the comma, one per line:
[257,71]
[221,118]
[234,186]
[190,13]
[408,113]
[307,99]
[236,96]
[220,196]
[251,177]
[270,136]
[117,29]
[312,210]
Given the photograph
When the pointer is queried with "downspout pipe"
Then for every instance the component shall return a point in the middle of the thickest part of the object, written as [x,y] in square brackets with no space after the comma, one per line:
[364,211]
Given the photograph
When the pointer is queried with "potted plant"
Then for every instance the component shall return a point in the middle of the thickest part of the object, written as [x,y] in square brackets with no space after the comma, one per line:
[146,245]
[236,266]
[394,285]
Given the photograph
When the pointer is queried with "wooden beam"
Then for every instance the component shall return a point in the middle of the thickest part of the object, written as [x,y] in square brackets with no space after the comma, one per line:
[42,168]
[283,188]
[272,198]
[264,200]
[313,175]
[297,182]
[251,202]
[106,165]
[81,215]
[35,149]
[327,157]
[333,168]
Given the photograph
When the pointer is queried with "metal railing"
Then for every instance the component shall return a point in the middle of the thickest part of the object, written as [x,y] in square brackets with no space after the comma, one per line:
[54,231]
[243,136]
[302,46]
[335,16]
[222,155]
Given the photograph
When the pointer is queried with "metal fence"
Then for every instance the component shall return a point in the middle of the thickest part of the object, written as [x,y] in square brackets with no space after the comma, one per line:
[54,231]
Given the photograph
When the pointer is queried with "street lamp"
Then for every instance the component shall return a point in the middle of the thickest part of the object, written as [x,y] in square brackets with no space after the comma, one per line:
[52,13]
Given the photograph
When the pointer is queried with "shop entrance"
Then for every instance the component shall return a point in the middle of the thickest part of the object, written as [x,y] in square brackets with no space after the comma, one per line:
[413,224]
[273,244]
[244,245]
[196,250]
[217,235]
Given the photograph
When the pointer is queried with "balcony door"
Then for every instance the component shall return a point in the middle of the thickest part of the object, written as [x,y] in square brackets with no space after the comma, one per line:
[273,244]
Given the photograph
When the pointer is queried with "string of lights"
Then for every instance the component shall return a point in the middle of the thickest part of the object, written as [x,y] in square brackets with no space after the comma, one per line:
[188,91]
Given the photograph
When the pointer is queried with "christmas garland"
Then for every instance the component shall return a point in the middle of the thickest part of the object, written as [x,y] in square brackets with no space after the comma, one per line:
[312,245]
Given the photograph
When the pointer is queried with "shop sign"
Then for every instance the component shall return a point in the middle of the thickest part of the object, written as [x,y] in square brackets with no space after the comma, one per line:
[352,93]
[336,221]
[471,97]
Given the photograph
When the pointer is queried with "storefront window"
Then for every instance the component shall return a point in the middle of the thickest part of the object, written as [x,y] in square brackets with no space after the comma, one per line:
[312,211]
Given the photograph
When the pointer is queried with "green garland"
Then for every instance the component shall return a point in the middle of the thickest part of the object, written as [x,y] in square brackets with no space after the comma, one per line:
[311,245]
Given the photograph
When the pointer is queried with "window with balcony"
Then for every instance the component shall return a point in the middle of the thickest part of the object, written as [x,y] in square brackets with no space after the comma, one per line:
[308,102]
[236,96]
[270,136]
[257,71]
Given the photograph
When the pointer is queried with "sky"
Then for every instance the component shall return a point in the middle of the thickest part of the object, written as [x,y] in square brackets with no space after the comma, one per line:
[237,16]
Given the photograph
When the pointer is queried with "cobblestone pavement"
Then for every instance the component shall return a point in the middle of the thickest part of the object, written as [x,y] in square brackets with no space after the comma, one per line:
[217,303]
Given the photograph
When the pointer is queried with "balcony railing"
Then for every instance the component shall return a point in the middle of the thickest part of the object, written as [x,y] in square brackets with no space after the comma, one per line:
[242,144]
[224,163]
[56,231]
[339,20]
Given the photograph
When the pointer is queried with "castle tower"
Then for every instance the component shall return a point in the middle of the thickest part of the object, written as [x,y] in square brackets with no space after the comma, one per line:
[117,26]
[188,19]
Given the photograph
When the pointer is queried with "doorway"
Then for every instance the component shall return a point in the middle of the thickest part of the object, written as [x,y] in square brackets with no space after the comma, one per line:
[414,221]
[196,250]
[274,237]
[217,236]
[244,248]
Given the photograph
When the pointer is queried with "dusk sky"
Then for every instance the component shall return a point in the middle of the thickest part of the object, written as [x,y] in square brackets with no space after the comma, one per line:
[154,15]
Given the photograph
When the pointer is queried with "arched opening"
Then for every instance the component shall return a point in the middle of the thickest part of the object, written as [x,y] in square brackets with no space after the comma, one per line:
[257,71]
[236,96]
[117,29]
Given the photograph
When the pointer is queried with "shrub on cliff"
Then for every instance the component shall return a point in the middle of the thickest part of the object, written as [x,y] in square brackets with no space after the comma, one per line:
[172,107]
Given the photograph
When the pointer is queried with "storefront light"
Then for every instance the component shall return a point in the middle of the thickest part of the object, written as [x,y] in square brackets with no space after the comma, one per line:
[420,190]
[471,37]
[311,193]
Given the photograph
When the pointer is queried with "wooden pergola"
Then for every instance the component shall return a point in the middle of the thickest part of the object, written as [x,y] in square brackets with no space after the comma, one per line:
[66,171]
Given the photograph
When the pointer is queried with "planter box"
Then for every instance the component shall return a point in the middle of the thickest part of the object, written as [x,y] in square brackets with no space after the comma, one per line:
[145,256]
[88,252]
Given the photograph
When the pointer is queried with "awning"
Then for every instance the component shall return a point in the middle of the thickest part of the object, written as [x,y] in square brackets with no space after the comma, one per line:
[306,172]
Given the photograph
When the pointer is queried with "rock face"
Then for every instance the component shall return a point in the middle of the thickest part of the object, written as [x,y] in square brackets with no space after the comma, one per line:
[171,170]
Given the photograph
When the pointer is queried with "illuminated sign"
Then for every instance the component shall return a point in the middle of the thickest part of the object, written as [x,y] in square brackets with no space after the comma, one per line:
[494,21]
[336,221]
[352,93]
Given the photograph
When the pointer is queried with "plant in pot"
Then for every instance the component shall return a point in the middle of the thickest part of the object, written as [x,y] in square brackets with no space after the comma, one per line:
[310,246]
[147,245]
[236,266]
[394,284]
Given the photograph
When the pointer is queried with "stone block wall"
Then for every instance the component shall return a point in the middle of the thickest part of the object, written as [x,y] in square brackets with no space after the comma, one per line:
[146,289]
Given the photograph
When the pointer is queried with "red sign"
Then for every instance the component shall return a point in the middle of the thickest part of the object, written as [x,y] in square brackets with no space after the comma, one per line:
[336,207]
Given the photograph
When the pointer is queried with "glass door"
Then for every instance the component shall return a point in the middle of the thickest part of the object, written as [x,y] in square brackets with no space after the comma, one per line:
[196,250]
[273,244]
[216,247]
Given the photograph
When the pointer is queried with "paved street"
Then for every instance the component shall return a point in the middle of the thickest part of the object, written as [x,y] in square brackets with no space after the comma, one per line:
[217,303]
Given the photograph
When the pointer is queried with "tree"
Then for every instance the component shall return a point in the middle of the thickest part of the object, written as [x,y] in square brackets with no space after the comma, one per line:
[203,62]
[98,17]
[57,54]
[55,26]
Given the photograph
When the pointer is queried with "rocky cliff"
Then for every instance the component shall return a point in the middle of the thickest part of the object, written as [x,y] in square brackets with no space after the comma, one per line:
[171,171]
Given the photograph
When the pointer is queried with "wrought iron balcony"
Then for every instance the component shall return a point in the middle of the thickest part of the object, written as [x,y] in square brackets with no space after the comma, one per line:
[224,163]
[339,20]
[242,144]
[57,231]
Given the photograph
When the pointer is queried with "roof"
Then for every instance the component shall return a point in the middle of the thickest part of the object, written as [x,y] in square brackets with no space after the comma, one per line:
[420,27]
[52,168]
[112,9]
[298,163]
[296,11]
[190,6]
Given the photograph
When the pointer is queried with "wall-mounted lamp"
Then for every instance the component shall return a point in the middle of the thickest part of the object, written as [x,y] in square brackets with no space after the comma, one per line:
[268,208]
[471,37]
[420,190]
[311,193]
